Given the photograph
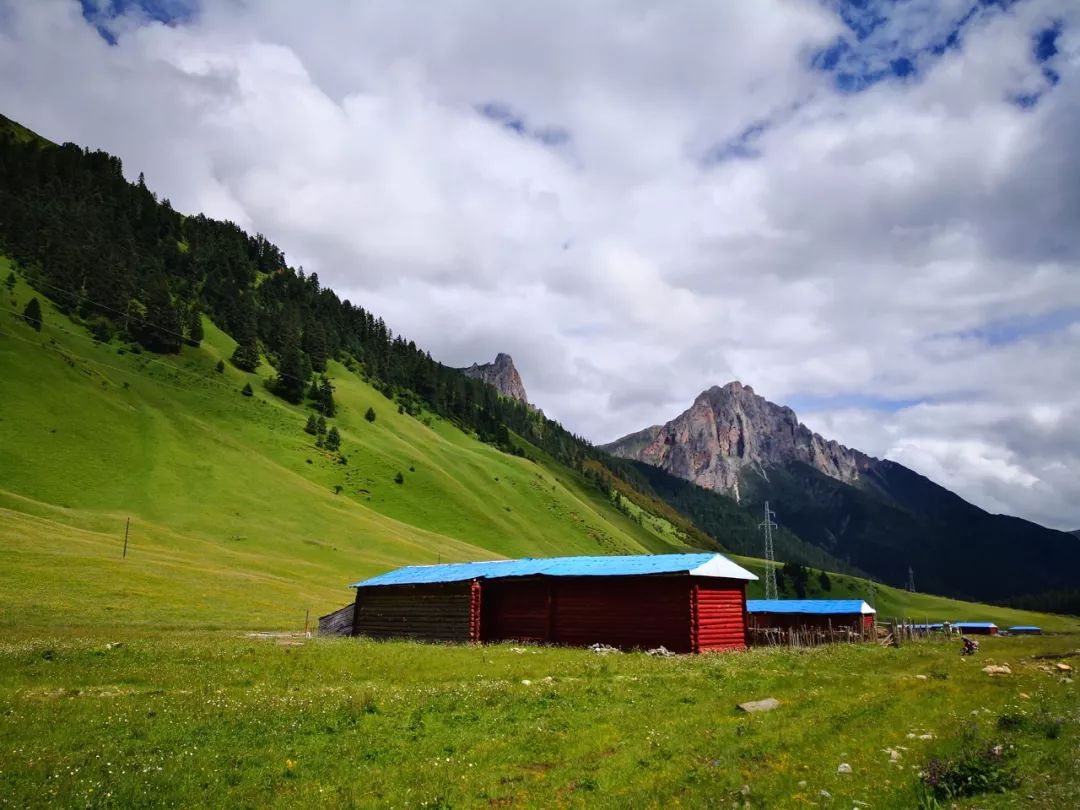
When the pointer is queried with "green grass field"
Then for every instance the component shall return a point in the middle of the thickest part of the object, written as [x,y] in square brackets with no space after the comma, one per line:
[223,721]
[129,681]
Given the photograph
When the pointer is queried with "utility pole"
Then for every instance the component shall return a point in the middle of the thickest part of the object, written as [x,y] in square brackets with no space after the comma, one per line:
[911,579]
[127,528]
[770,556]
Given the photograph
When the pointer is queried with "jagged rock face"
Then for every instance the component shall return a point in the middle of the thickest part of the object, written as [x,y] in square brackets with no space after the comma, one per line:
[729,429]
[501,375]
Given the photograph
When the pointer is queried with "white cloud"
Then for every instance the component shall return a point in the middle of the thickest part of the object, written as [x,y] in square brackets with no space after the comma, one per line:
[914,241]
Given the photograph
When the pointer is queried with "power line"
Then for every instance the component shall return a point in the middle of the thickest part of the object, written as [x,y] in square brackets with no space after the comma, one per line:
[770,555]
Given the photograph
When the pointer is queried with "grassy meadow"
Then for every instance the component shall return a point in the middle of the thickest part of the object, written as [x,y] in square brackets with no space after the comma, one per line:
[134,719]
[133,681]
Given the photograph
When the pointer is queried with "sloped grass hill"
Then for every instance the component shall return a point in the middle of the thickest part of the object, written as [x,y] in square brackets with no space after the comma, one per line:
[238,519]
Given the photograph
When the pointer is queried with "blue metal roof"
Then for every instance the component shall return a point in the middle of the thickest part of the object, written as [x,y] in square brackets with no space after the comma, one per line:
[1025,627]
[820,606]
[711,565]
[974,624]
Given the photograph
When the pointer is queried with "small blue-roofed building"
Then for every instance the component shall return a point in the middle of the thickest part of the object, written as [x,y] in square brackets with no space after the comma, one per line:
[684,602]
[976,628]
[819,614]
[1025,630]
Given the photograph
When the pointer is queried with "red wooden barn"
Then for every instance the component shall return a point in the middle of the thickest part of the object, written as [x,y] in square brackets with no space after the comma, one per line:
[976,628]
[685,602]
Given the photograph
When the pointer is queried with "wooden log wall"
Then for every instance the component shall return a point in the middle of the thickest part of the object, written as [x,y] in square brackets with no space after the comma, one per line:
[625,612]
[719,614]
[436,612]
[338,623]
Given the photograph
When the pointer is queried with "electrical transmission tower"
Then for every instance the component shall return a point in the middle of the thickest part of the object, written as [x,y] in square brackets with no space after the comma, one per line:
[770,556]
[911,579]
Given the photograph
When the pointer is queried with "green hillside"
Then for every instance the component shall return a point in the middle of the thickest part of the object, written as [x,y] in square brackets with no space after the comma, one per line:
[235,515]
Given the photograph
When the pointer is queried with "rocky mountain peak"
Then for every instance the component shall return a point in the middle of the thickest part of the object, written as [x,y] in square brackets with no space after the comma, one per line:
[501,374]
[730,428]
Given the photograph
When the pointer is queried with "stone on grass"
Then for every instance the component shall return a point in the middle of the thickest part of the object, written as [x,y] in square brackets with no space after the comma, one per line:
[766,705]
[1061,667]
[843,768]
[996,669]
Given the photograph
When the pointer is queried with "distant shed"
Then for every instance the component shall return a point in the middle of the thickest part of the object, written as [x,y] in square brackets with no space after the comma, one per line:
[1025,630]
[977,628]
[685,602]
[819,614]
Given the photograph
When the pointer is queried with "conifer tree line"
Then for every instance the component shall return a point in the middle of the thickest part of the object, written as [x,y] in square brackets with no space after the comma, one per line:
[112,254]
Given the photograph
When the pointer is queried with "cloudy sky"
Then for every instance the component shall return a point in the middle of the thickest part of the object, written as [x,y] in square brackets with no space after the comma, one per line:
[867,211]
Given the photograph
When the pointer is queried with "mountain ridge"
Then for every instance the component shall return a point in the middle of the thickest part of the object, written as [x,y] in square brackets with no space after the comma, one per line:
[875,514]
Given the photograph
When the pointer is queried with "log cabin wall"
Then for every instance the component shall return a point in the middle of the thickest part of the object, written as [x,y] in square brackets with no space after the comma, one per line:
[719,614]
[435,612]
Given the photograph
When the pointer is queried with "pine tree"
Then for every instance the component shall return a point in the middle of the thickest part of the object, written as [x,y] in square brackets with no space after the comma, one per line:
[246,390]
[326,397]
[313,391]
[194,327]
[10,281]
[824,581]
[246,355]
[160,329]
[220,367]
[370,415]
[399,479]
[311,426]
[320,426]
[314,344]
[292,371]
[32,314]
[333,440]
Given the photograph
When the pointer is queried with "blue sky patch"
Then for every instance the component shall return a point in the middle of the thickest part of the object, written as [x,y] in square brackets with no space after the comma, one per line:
[741,147]
[865,55]
[100,12]
[514,121]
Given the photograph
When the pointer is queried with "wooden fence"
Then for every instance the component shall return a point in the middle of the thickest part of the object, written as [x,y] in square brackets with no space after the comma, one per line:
[892,632]
[805,636]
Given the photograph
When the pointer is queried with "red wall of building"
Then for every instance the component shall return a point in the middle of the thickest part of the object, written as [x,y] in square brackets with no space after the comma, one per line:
[683,614]
[720,615]
[624,612]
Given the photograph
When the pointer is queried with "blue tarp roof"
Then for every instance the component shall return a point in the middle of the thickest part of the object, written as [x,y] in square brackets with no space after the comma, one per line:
[974,624]
[820,606]
[708,565]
